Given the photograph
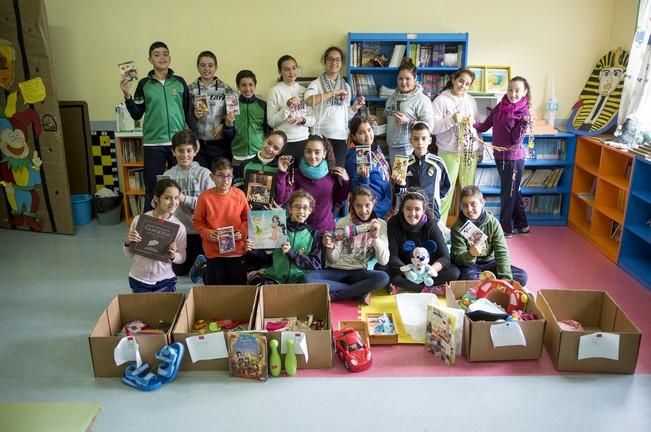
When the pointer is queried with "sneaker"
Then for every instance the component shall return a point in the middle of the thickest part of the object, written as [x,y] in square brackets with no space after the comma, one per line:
[197,269]
[366,299]
[522,231]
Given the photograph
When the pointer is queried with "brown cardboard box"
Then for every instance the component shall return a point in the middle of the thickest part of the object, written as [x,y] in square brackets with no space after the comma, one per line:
[300,300]
[358,325]
[477,342]
[597,312]
[381,339]
[236,302]
[150,308]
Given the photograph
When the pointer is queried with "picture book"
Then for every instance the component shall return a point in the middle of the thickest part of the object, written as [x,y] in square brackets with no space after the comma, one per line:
[260,188]
[157,235]
[247,355]
[232,103]
[363,153]
[399,169]
[201,108]
[128,70]
[267,228]
[226,236]
[441,338]
[473,234]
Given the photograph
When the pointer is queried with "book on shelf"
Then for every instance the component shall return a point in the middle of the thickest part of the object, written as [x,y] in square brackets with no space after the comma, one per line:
[267,228]
[588,214]
[247,355]
[616,231]
[157,235]
[586,196]
[370,52]
[136,204]
[397,55]
[136,178]
[132,151]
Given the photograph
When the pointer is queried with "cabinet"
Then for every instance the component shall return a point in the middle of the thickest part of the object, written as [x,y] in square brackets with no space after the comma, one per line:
[436,55]
[546,180]
[635,252]
[130,170]
[599,192]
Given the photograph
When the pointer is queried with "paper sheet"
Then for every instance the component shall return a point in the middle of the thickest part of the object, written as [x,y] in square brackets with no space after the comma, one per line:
[507,334]
[127,350]
[33,90]
[300,343]
[599,345]
[209,346]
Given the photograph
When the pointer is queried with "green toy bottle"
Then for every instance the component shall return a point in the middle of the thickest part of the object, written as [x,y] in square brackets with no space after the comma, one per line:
[290,359]
[274,358]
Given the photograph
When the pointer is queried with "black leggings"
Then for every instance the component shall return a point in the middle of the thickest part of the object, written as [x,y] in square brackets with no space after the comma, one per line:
[225,271]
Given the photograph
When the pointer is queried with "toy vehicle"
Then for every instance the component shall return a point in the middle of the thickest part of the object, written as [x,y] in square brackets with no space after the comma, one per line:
[350,349]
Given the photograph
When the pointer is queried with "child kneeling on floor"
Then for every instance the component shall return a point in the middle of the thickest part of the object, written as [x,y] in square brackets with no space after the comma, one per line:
[359,237]
[492,254]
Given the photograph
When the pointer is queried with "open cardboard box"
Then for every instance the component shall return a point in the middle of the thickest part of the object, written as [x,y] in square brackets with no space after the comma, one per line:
[360,326]
[477,341]
[596,312]
[381,338]
[148,307]
[235,302]
[300,300]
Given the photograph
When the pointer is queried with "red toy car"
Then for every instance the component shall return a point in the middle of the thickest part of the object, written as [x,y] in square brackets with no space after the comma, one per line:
[350,349]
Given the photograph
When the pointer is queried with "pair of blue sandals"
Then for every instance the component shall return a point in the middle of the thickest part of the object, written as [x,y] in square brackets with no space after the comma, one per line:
[141,377]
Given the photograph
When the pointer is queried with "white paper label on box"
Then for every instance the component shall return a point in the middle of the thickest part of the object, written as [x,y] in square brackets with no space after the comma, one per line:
[300,343]
[127,350]
[209,346]
[507,334]
[599,345]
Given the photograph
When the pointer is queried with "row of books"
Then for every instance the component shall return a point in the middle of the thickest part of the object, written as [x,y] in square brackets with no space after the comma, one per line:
[546,149]
[132,150]
[435,55]
[543,204]
[433,84]
[531,178]
[363,85]
[373,54]
[136,178]
[136,204]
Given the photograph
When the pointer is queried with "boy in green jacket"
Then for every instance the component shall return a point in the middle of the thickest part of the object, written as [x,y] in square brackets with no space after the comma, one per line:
[478,254]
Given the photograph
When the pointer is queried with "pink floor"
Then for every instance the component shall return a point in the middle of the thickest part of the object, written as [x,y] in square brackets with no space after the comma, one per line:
[555,258]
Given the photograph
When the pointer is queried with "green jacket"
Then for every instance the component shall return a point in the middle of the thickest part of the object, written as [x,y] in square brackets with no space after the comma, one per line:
[305,255]
[167,107]
[496,248]
[250,127]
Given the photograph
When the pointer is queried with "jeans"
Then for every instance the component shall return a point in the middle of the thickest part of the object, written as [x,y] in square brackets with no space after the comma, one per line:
[473,271]
[348,284]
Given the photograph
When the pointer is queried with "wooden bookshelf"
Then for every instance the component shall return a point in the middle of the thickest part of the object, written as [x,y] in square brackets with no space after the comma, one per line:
[600,190]
[130,160]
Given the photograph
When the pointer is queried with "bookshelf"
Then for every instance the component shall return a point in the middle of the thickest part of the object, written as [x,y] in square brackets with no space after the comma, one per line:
[635,251]
[546,180]
[130,171]
[436,55]
[600,189]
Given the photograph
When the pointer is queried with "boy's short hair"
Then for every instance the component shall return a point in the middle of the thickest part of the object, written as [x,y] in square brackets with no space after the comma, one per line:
[157,44]
[470,191]
[209,54]
[245,74]
[419,126]
[186,136]
[220,164]
[298,194]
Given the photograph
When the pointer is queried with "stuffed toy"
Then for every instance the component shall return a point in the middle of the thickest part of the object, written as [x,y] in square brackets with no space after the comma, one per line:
[419,271]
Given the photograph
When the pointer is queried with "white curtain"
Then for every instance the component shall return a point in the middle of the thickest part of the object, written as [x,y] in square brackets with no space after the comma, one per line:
[636,95]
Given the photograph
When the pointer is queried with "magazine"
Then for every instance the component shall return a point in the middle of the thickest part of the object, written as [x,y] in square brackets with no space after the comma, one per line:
[157,235]
[128,70]
[474,235]
[363,153]
[226,236]
[247,356]
[441,337]
[232,103]
[400,169]
[259,187]
[267,228]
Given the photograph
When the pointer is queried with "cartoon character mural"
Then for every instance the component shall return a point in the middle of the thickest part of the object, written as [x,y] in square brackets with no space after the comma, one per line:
[596,110]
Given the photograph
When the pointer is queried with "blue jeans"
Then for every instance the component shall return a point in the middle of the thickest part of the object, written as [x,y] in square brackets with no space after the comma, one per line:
[166,285]
[348,284]
[473,271]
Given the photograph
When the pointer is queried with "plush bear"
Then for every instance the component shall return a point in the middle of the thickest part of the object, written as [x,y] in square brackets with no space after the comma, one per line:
[420,271]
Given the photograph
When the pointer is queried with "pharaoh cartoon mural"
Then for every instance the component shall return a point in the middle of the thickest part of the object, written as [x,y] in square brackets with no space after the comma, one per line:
[596,110]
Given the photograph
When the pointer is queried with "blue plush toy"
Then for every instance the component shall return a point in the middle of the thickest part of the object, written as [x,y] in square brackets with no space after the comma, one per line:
[419,271]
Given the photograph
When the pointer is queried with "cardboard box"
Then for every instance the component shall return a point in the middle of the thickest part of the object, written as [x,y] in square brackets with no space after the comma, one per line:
[300,300]
[384,338]
[477,341]
[236,302]
[150,308]
[358,325]
[596,312]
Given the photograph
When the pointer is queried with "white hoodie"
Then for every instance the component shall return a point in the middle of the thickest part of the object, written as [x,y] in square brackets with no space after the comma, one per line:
[444,107]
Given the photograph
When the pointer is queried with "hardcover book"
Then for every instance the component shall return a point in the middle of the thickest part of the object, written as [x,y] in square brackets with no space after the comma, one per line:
[157,235]
[226,239]
[259,187]
[363,153]
[128,70]
[441,338]
[267,228]
[247,355]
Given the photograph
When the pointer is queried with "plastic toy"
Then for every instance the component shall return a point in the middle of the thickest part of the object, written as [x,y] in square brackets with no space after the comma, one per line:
[419,271]
[290,359]
[141,378]
[517,297]
[385,325]
[134,327]
[274,358]
[350,349]
[171,357]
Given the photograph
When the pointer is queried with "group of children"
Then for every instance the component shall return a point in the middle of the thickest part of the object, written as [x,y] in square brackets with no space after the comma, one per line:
[385,212]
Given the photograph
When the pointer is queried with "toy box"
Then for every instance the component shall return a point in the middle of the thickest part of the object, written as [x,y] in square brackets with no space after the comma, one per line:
[479,343]
[372,321]
[148,307]
[601,318]
[300,301]
[206,302]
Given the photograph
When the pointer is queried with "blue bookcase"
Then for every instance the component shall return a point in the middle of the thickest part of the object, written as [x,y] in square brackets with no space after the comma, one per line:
[635,249]
[546,205]
[430,50]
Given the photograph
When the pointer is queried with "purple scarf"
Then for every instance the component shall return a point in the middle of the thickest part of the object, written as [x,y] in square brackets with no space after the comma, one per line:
[507,110]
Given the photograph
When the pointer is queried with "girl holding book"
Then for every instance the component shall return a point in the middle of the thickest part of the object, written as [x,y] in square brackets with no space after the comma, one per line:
[454,112]
[376,173]
[316,174]
[330,96]
[147,274]
[510,119]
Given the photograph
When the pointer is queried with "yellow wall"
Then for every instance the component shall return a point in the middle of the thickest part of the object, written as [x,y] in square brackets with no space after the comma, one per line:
[537,39]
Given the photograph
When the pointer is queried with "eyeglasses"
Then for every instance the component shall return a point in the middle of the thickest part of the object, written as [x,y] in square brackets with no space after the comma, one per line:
[333,59]
[301,207]
[224,176]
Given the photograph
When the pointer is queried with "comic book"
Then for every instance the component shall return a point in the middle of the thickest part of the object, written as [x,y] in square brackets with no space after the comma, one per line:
[226,236]
[247,355]
[363,153]
[441,337]
[267,228]
[157,235]
[399,169]
[128,70]
[232,103]
[201,108]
